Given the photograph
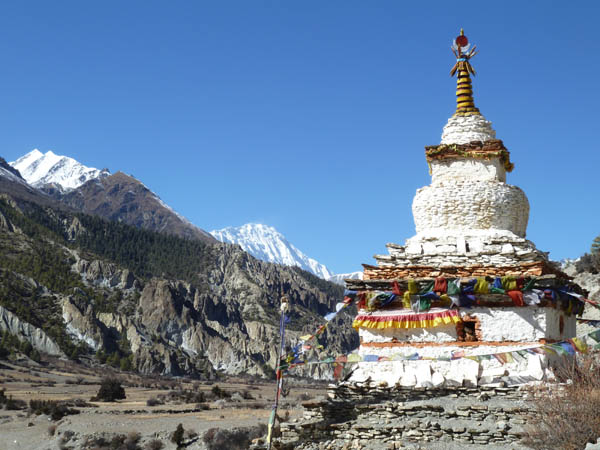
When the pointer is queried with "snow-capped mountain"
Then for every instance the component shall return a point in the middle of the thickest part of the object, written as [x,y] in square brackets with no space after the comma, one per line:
[10,173]
[117,197]
[40,169]
[122,197]
[339,278]
[268,244]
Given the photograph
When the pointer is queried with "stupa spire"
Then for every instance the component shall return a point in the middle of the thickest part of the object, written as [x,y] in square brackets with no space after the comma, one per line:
[465,105]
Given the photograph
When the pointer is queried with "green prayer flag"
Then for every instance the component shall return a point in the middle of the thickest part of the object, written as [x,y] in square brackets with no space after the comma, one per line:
[453,287]
[428,287]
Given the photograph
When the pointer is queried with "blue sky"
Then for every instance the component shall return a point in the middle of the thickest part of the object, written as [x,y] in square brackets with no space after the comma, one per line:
[308,116]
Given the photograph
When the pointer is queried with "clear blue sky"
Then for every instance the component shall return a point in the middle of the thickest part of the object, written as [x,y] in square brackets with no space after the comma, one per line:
[310,116]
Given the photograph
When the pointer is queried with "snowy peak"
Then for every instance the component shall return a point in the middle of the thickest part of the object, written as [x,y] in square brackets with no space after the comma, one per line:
[40,169]
[9,172]
[340,277]
[268,244]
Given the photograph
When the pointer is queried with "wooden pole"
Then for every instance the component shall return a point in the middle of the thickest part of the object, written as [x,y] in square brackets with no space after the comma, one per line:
[279,375]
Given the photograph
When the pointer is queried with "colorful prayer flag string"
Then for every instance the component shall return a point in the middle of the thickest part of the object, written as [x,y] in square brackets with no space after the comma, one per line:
[567,347]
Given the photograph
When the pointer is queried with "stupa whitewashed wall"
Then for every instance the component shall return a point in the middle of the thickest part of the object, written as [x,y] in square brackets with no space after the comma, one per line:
[471,225]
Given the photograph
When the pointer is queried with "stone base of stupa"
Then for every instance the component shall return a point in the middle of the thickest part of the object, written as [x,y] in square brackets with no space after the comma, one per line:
[444,351]
[441,249]
[372,415]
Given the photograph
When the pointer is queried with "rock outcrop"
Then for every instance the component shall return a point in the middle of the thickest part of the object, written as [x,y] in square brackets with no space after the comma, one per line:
[177,328]
[28,333]
[223,315]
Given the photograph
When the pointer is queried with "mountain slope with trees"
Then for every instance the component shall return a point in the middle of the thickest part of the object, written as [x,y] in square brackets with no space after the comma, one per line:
[153,302]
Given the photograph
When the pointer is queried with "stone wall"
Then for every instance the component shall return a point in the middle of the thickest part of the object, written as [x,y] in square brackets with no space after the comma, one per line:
[364,415]
[467,168]
[471,205]
[490,248]
[406,272]
[462,130]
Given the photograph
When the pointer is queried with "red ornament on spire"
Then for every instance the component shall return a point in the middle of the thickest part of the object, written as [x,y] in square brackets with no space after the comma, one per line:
[462,41]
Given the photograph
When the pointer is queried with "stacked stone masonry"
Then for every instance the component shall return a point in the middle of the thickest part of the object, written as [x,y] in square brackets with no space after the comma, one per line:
[471,205]
[474,271]
[462,130]
[378,416]
[385,284]
[459,250]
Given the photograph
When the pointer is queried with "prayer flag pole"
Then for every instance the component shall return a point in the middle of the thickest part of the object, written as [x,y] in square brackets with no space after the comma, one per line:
[279,375]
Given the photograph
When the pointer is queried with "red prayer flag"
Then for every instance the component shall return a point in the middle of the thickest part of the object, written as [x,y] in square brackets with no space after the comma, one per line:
[516,297]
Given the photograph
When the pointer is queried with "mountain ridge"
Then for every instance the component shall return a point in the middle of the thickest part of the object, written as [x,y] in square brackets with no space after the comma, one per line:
[117,197]
[121,197]
[154,302]
[267,244]
[40,169]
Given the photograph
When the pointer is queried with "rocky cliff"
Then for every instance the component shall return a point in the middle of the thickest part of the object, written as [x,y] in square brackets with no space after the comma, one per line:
[591,283]
[219,315]
[24,331]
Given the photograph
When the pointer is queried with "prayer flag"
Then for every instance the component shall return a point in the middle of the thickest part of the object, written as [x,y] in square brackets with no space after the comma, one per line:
[568,347]
[354,357]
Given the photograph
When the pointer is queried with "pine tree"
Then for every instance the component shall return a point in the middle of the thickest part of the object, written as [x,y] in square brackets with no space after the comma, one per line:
[595,250]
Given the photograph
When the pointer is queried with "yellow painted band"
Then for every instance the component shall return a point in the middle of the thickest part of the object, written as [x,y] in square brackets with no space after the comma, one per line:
[366,323]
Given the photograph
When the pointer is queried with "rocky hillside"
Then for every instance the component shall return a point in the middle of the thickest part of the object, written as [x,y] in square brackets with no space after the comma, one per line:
[123,198]
[148,301]
[13,184]
[117,197]
[586,273]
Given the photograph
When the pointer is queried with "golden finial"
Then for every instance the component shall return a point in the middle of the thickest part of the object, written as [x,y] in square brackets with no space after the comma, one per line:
[465,105]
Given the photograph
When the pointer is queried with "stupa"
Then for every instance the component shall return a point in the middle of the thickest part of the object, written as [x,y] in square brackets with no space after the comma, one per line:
[462,301]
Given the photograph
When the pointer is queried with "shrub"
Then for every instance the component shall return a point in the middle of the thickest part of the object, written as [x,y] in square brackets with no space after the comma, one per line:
[219,393]
[567,415]
[132,439]
[246,395]
[110,391]
[177,435]
[235,439]
[14,404]
[56,410]
[304,397]
[153,401]
[186,396]
[51,430]
[80,403]
[154,444]
[589,263]
[117,442]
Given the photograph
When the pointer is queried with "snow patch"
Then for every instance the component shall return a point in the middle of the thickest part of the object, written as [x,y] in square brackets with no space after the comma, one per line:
[39,169]
[267,244]
[11,176]
[340,277]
